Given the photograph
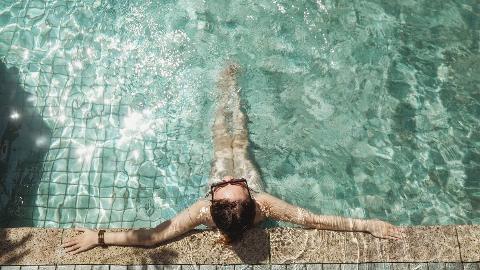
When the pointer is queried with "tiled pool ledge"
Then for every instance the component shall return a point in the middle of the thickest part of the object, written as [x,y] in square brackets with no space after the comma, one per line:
[39,246]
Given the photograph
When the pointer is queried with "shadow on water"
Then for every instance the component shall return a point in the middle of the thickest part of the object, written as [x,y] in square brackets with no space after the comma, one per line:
[24,141]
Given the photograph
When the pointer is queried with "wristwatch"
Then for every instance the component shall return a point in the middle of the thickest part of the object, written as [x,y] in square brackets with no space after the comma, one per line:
[101,238]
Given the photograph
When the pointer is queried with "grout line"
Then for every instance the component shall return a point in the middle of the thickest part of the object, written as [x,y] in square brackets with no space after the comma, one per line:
[458,244]
[269,248]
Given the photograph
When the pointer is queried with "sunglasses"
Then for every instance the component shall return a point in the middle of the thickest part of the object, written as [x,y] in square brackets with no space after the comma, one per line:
[238,182]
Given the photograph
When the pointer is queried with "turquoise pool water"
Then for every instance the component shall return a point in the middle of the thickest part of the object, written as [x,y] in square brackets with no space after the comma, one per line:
[362,108]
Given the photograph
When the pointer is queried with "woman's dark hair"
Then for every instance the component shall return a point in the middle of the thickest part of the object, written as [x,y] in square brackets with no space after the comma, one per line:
[233,218]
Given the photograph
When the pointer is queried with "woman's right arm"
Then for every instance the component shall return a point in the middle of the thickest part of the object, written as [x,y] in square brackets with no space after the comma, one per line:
[185,221]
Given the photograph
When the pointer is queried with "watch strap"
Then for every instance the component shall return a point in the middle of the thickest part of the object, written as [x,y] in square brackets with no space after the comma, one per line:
[101,237]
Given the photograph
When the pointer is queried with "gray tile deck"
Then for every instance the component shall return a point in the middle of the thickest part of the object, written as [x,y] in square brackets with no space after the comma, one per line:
[471,266]
[261,267]
[436,266]
[85,267]
[46,267]
[347,266]
[314,266]
[10,268]
[300,266]
[101,267]
[70,267]
[333,266]
[30,267]
[191,267]
[118,267]
[243,267]
[418,266]
[454,266]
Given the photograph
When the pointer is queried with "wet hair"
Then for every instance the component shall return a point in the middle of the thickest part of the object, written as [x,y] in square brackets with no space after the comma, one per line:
[233,218]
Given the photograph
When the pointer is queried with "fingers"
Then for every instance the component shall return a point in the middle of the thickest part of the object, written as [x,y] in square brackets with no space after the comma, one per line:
[391,237]
[76,244]
[69,243]
[72,248]
[82,249]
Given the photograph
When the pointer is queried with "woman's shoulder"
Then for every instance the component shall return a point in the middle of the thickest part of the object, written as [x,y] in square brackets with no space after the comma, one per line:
[261,197]
[204,212]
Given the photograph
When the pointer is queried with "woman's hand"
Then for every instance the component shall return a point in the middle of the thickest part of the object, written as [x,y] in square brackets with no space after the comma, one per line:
[382,229]
[82,242]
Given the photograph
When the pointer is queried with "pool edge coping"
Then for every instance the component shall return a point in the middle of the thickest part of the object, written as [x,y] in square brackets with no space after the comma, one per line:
[448,243]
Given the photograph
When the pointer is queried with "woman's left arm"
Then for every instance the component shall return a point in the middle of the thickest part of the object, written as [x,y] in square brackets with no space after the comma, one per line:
[278,209]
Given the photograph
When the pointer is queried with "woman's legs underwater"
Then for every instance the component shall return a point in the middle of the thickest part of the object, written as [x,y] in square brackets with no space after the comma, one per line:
[243,166]
[222,164]
[231,155]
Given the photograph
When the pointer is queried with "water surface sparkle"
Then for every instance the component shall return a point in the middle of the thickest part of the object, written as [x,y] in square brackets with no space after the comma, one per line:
[361,108]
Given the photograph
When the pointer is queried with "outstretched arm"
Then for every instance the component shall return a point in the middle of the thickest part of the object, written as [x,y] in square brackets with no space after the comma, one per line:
[185,221]
[275,208]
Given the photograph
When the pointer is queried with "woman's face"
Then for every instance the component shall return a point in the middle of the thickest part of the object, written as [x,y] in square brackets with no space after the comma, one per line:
[231,192]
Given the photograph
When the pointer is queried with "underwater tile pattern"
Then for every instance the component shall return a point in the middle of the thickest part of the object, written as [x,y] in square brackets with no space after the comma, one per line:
[78,153]
[366,109]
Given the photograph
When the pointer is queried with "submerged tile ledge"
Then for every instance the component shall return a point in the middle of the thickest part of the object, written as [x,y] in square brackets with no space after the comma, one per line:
[456,243]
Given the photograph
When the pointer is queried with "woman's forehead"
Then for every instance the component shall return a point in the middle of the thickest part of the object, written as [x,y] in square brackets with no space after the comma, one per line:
[231,192]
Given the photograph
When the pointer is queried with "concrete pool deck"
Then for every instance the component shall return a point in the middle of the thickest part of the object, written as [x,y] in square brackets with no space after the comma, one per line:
[457,245]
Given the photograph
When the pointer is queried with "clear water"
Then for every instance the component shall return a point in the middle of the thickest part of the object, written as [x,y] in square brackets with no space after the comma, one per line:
[368,109]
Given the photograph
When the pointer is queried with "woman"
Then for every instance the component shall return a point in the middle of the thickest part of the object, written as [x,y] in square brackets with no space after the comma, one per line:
[236,201]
